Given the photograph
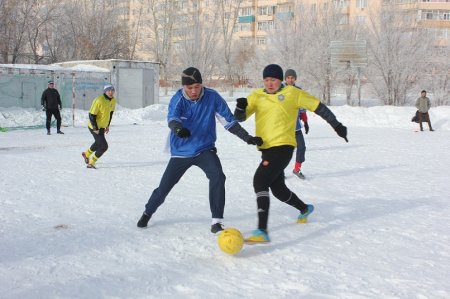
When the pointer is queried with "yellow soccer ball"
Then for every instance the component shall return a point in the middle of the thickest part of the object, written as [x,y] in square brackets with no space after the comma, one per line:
[230,240]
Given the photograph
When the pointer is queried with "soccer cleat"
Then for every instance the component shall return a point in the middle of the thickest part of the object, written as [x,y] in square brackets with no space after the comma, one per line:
[302,218]
[216,227]
[48,133]
[60,132]
[259,236]
[91,166]
[299,174]
[142,223]
[86,159]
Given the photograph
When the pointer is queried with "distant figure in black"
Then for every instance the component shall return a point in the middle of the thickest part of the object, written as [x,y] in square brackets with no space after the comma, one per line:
[51,104]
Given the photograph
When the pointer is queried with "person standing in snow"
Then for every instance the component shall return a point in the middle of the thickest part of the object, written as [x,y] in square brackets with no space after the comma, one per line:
[276,111]
[290,77]
[423,104]
[100,116]
[51,104]
[192,115]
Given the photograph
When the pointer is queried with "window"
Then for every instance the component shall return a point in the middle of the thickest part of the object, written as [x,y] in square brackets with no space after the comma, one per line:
[264,26]
[360,20]
[261,41]
[246,11]
[266,10]
[361,3]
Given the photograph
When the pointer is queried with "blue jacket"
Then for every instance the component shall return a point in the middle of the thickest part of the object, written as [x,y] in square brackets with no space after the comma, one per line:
[199,117]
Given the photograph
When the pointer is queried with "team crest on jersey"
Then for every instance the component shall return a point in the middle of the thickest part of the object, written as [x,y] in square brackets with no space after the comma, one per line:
[280,97]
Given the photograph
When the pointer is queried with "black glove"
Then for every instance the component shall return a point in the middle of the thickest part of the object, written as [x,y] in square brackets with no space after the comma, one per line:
[43,108]
[341,130]
[306,127]
[255,141]
[60,107]
[241,103]
[183,133]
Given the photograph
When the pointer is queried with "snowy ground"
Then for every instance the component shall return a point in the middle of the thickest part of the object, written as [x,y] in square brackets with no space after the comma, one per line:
[380,229]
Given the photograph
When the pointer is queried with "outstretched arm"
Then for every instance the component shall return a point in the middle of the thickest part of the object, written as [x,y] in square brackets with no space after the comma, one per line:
[240,132]
[324,112]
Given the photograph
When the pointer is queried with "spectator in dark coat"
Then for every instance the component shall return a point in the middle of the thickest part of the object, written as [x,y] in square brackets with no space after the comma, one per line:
[51,104]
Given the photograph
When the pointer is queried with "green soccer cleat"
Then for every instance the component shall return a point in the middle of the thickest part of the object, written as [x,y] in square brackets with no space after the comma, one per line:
[303,218]
[259,236]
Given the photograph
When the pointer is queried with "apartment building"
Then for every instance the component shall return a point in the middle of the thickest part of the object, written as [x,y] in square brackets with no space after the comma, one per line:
[256,18]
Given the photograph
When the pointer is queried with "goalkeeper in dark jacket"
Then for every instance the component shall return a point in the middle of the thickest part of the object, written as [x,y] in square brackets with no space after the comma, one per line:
[192,115]
[276,108]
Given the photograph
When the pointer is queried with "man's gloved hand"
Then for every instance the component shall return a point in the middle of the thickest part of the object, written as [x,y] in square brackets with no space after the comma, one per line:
[306,127]
[255,140]
[241,103]
[59,107]
[43,108]
[341,130]
[183,133]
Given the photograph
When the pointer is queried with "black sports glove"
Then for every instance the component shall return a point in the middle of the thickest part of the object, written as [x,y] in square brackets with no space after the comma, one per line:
[255,141]
[183,133]
[306,127]
[241,103]
[341,130]
[43,108]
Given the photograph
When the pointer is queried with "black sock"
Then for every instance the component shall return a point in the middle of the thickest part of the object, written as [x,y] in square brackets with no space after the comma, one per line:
[263,203]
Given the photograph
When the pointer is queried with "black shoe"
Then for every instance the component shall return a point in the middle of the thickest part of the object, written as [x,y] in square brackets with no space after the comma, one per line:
[48,133]
[142,223]
[299,174]
[86,159]
[217,227]
[60,132]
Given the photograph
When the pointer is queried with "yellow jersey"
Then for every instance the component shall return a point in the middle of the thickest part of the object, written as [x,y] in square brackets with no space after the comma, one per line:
[102,108]
[276,114]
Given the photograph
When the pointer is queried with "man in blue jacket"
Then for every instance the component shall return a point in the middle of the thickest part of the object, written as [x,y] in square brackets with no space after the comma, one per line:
[192,120]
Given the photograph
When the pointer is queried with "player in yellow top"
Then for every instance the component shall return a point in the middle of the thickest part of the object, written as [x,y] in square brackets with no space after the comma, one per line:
[100,116]
[276,109]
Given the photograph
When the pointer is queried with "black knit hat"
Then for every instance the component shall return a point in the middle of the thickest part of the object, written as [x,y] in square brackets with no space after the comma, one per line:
[290,72]
[190,76]
[274,71]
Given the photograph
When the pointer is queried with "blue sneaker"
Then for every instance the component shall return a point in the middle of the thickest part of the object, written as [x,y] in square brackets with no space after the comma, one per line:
[258,236]
[302,218]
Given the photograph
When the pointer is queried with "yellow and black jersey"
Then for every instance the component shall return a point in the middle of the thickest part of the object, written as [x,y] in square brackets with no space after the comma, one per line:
[276,114]
[102,107]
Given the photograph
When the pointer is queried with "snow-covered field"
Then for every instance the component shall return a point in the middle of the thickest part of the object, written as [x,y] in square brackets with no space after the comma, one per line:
[380,228]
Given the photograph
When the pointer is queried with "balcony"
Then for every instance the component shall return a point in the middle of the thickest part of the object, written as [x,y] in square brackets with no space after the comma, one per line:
[246,19]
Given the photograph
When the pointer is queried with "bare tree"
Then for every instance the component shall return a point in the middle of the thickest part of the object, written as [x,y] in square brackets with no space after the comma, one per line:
[161,20]
[319,27]
[397,54]
[437,75]
[38,20]
[15,17]
[95,30]
[228,14]
[197,38]
[135,28]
